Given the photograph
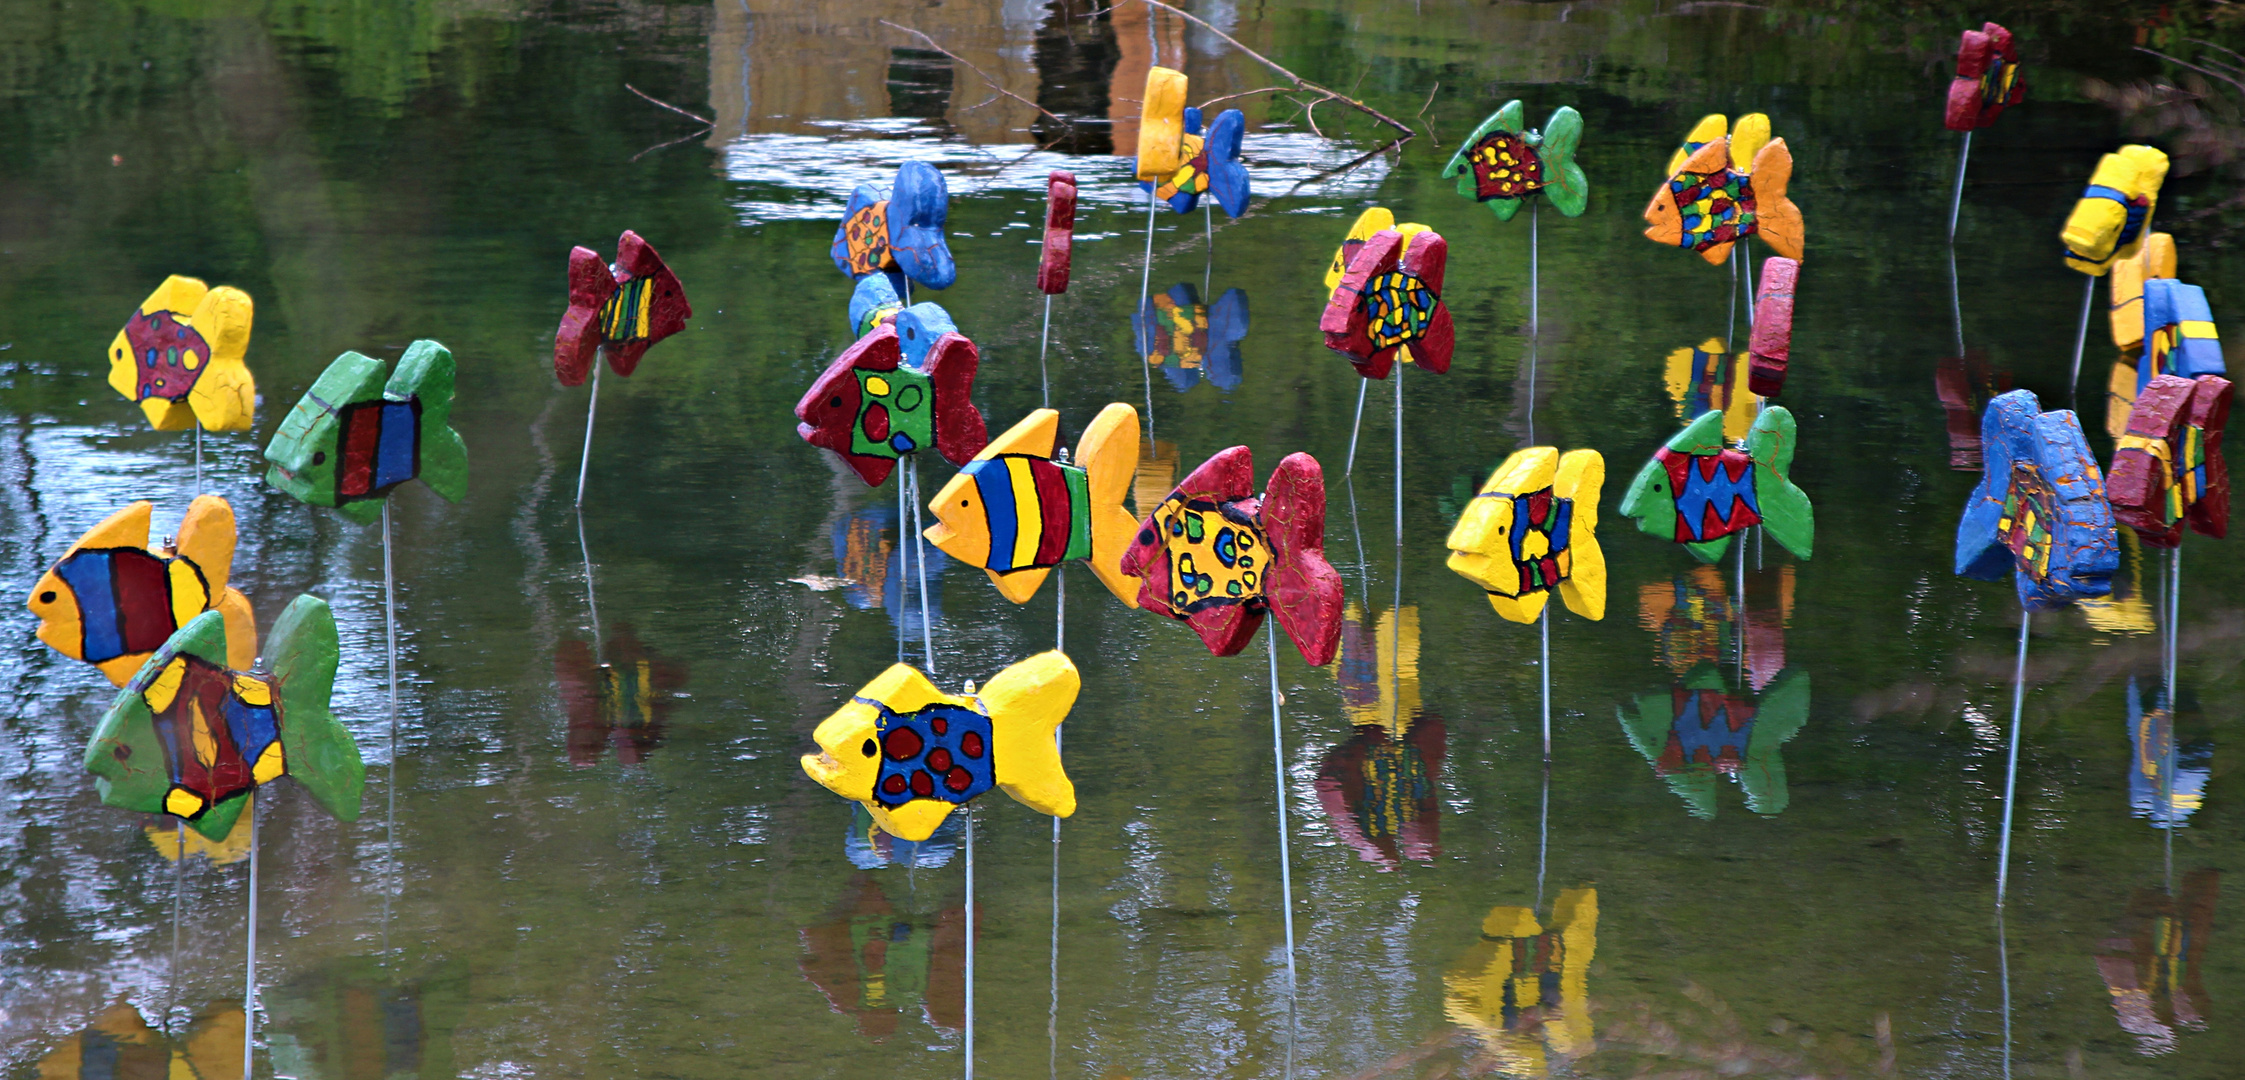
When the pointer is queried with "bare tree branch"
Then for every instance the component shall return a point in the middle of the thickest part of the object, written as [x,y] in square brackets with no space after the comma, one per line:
[1299,82]
[2194,67]
[696,117]
[987,80]
[1229,97]
[1423,115]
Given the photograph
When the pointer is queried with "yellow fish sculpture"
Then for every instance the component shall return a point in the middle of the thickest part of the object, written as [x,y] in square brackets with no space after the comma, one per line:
[1746,140]
[1017,513]
[180,357]
[912,753]
[1161,125]
[2155,260]
[2112,217]
[1532,529]
[113,599]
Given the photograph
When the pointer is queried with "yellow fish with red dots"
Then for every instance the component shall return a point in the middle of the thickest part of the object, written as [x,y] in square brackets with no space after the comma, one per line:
[181,357]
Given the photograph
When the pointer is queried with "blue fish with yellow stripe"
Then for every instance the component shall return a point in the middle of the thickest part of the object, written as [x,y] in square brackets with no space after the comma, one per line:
[1018,513]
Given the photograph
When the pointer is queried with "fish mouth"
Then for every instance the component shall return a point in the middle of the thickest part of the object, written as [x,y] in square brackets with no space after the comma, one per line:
[828,772]
[939,533]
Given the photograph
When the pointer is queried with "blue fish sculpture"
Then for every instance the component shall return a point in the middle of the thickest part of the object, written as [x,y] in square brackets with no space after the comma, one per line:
[900,236]
[2179,336]
[2039,512]
[1211,166]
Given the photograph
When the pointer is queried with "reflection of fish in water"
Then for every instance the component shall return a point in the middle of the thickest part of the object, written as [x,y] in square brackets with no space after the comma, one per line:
[2124,610]
[874,963]
[1693,620]
[2165,783]
[911,753]
[1019,510]
[119,1045]
[1381,790]
[1704,377]
[1378,667]
[1697,491]
[1188,341]
[1964,385]
[868,848]
[619,703]
[2152,963]
[1701,729]
[1157,474]
[175,843]
[350,1018]
[874,573]
[112,599]
[1524,988]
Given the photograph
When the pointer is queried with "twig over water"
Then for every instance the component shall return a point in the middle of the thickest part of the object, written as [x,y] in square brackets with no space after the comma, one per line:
[985,76]
[696,117]
[1299,82]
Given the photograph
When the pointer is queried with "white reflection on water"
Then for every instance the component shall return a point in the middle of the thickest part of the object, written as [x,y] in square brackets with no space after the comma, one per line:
[809,177]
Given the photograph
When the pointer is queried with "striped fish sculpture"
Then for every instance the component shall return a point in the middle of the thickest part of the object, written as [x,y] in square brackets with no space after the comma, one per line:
[1217,558]
[353,438]
[2179,336]
[1017,513]
[1532,531]
[2039,512]
[911,753]
[192,736]
[1390,300]
[1698,491]
[899,390]
[1987,79]
[112,600]
[2167,470]
[900,236]
[180,357]
[2113,216]
[625,309]
[1504,162]
[1712,201]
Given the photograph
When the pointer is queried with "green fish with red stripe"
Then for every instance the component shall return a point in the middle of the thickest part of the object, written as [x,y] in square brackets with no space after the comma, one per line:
[356,436]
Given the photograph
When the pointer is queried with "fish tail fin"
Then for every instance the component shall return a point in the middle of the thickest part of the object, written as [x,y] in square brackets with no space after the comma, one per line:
[206,538]
[1108,453]
[1582,476]
[1027,702]
[225,397]
[1302,589]
[1785,508]
[1568,187]
[959,430]
[320,752]
[577,342]
[1781,226]
[427,371]
[1227,175]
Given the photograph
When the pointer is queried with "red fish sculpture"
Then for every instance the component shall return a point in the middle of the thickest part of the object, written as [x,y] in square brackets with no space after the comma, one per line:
[625,308]
[1391,297]
[872,406]
[2167,471]
[1060,233]
[1987,79]
[1772,343]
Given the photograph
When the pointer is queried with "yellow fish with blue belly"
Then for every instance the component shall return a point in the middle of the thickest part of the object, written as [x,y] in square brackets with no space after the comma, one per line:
[1018,514]
[911,753]
[1532,530]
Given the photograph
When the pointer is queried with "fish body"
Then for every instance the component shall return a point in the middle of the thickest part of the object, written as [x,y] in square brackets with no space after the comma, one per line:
[2179,335]
[2155,259]
[1771,345]
[1504,162]
[1381,789]
[1698,491]
[1532,530]
[1161,125]
[191,736]
[1060,233]
[1017,513]
[1211,165]
[112,600]
[623,309]
[353,438]
[1712,203]
[901,234]
[873,303]
[2167,469]
[872,406]
[911,753]
[1218,558]
[1987,79]
[181,355]
[2039,512]
[1389,300]
[2114,214]
[861,242]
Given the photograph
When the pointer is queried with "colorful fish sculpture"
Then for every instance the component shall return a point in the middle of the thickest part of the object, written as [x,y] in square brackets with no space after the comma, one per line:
[874,303]
[2179,336]
[191,736]
[1746,140]
[2039,513]
[899,390]
[1987,79]
[113,599]
[1189,341]
[622,309]
[911,753]
[1711,202]
[1504,162]
[1060,233]
[1702,377]
[2168,468]
[1161,125]
[1697,490]
[2156,259]
[1211,166]
[1390,299]
[180,357]
[1018,513]
[902,233]
[1532,531]
[1215,557]
[1771,345]
[354,438]
[2114,215]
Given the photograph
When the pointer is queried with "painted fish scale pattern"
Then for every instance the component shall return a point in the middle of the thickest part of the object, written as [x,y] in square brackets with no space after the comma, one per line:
[1714,493]
[939,752]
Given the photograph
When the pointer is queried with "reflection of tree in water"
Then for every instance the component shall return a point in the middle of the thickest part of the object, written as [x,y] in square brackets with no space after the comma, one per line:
[620,703]
[875,963]
[1380,786]
[2151,963]
[348,1019]
[119,1045]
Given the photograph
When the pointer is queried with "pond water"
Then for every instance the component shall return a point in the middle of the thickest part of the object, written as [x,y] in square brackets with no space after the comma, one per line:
[559,875]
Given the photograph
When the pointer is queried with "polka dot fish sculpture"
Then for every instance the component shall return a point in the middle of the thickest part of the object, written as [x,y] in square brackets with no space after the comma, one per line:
[180,357]
[1504,162]
[900,389]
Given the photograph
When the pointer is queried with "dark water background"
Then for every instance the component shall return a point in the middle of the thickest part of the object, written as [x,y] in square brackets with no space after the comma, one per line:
[563,900]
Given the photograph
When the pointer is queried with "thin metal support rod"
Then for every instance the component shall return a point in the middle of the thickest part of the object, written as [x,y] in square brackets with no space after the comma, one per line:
[249,979]
[920,558]
[1208,268]
[970,946]
[178,900]
[2174,623]
[592,408]
[1545,668]
[1399,454]
[1956,197]
[1052,1015]
[903,561]
[1362,385]
[592,599]
[2011,770]
[1956,303]
[1145,314]
[198,455]
[1738,610]
[2081,336]
[2003,965]
[1543,832]
[1044,343]
[1278,780]
[1730,326]
[1535,318]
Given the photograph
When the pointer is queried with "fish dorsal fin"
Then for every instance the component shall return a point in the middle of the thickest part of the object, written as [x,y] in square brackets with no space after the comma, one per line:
[1513,117]
[1027,703]
[1704,435]
[178,293]
[127,528]
[1372,222]
[1035,435]
[1748,136]
[206,538]
[1708,160]
[1710,127]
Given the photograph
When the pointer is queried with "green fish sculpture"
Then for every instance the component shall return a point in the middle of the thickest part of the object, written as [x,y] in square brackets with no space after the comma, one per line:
[191,737]
[1697,492]
[1503,162]
[354,437]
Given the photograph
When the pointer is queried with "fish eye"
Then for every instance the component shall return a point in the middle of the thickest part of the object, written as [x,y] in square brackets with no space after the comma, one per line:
[47,597]
[966,502]
[834,402]
[870,748]
[319,457]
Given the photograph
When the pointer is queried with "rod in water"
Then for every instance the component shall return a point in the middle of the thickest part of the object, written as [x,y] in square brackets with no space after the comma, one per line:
[1362,385]
[920,557]
[1956,198]
[1145,313]
[1278,779]
[1399,454]
[2011,770]
[2081,336]
[592,408]
[970,945]
[390,620]
[1535,320]
[1545,668]
[1044,342]
[249,981]
[198,455]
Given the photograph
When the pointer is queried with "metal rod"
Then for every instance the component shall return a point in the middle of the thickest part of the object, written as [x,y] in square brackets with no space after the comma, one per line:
[198,455]
[592,407]
[1545,668]
[920,556]
[1730,326]
[1208,268]
[2003,965]
[2081,337]
[1362,385]
[1543,831]
[2011,771]
[970,945]
[1044,342]
[1956,198]
[1145,313]
[1956,303]
[178,899]
[1535,318]
[1052,1015]
[1278,778]
[1399,454]
[249,987]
